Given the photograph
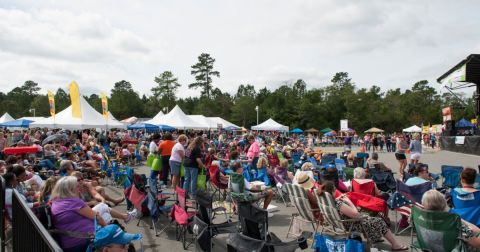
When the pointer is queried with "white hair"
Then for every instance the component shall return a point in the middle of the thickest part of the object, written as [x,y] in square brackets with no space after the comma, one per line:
[434,200]
[66,187]
[359,173]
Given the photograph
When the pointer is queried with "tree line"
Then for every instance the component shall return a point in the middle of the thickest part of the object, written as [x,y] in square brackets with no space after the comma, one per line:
[292,103]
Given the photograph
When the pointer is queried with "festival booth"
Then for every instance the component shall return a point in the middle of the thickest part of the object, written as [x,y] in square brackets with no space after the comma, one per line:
[326,130]
[464,128]
[413,129]
[226,125]
[20,123]
[270,125]
[6,118]
[176,118]
[155,120]
[202,121]
[89,118]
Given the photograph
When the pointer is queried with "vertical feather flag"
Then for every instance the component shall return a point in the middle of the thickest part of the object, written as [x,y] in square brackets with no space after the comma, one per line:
[51,102]
[75,98]
[104,105]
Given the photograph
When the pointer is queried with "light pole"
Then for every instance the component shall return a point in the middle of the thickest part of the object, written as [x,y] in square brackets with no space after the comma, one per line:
[32,109]
[256,108]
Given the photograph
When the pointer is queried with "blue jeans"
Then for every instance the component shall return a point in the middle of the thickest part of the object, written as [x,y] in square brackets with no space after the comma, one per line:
[190,184]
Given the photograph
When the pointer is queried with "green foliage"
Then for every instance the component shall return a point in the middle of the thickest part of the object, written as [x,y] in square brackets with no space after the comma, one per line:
[292,103]
[203,70]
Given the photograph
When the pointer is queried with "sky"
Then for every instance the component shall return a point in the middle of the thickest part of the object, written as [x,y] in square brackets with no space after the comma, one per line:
[265,43]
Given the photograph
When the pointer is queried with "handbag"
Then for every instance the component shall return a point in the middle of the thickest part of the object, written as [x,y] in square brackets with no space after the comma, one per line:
[326,243]
[202,180]
[150,159]
[182,170]
[157,164]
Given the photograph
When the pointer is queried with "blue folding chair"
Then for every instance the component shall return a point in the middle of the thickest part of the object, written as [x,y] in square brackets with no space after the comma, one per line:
[119,174]
[477,182]
[340,164]
[364,156]
[451,176]
[467,205]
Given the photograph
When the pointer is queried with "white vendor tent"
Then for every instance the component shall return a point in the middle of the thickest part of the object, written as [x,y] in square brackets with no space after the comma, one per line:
[412,129]
[176,118]
[156,119]
[270,125]
[6,118]
[31,118]
[201,121]
[215,121]
[90,118]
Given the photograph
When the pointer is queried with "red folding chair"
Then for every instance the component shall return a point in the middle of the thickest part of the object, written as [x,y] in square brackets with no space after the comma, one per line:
[218,187]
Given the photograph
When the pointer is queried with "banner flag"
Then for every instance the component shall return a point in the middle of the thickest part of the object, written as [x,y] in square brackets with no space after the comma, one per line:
[104,105]
[51,103]
[75,98]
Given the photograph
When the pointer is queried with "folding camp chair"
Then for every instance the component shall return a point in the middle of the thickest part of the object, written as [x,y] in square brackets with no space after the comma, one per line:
[436,231]
[363,156]
[255,236]
[467,205]
[340,165]
[404,198]
[206,213]
[337,225]
[219,189]
[451,176]
[304,214]
[182,213]
[384,180]
[157,208]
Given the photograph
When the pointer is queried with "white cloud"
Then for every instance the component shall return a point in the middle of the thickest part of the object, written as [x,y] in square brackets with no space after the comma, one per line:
[264,43]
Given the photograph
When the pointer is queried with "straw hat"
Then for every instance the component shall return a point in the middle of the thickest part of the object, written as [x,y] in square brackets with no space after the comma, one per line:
[304,180]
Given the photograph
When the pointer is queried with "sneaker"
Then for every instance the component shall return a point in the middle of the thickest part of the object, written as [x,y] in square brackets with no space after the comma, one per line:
[131,215]
[270,215]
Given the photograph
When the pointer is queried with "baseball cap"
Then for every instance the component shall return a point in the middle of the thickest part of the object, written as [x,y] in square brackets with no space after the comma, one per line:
[113,234]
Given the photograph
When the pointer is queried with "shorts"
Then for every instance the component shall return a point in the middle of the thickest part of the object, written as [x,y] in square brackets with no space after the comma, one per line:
[415,156]
[400,156]
[175,167]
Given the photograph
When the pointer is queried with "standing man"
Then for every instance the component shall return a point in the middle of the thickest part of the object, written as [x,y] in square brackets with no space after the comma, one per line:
[253,152]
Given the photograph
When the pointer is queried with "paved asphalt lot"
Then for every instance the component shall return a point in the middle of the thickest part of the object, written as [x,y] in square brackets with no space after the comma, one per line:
[278,224]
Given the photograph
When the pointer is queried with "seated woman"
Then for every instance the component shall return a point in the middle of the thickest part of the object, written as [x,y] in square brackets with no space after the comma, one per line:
[262,173]
[466,199]
[331,174]
[70,213]
[253,191]
[11,184]
[350,161]
[306,167]
[375,228]
[221,177]
[433,200]
[281,173]
[45,193]
[307,183]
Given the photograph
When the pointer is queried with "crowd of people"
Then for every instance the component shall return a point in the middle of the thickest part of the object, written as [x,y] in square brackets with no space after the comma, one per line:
[65,174]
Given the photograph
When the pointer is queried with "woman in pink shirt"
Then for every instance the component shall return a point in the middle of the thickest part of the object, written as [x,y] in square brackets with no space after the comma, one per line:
[253,151]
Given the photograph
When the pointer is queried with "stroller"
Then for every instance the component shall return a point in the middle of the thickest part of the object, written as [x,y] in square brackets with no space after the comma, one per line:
[202,225]
[254,234]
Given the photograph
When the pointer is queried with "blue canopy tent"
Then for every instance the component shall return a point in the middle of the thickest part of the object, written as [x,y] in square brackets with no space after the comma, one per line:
[144,126]
[20,123]
[463,123]
[166,128]
[296,130]
[232,128]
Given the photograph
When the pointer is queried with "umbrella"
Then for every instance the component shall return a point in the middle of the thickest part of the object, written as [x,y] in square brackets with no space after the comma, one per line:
[20,123]
[311,130]
[374,130]
[326,130]
[54,138]
[331,133]
[296,130]
[464,124]
[232,128]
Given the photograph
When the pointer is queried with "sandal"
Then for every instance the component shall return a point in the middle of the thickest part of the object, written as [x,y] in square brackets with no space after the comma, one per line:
[402,248]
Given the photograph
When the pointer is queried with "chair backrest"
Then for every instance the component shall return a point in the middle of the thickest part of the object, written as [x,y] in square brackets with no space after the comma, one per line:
[414,193]
[237,183]
[365,188]
[303,207]
[464,200]
[451,175]
[181,197]
[477,182]
[436,231]
[253,220]
[296,191]
[326,203]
